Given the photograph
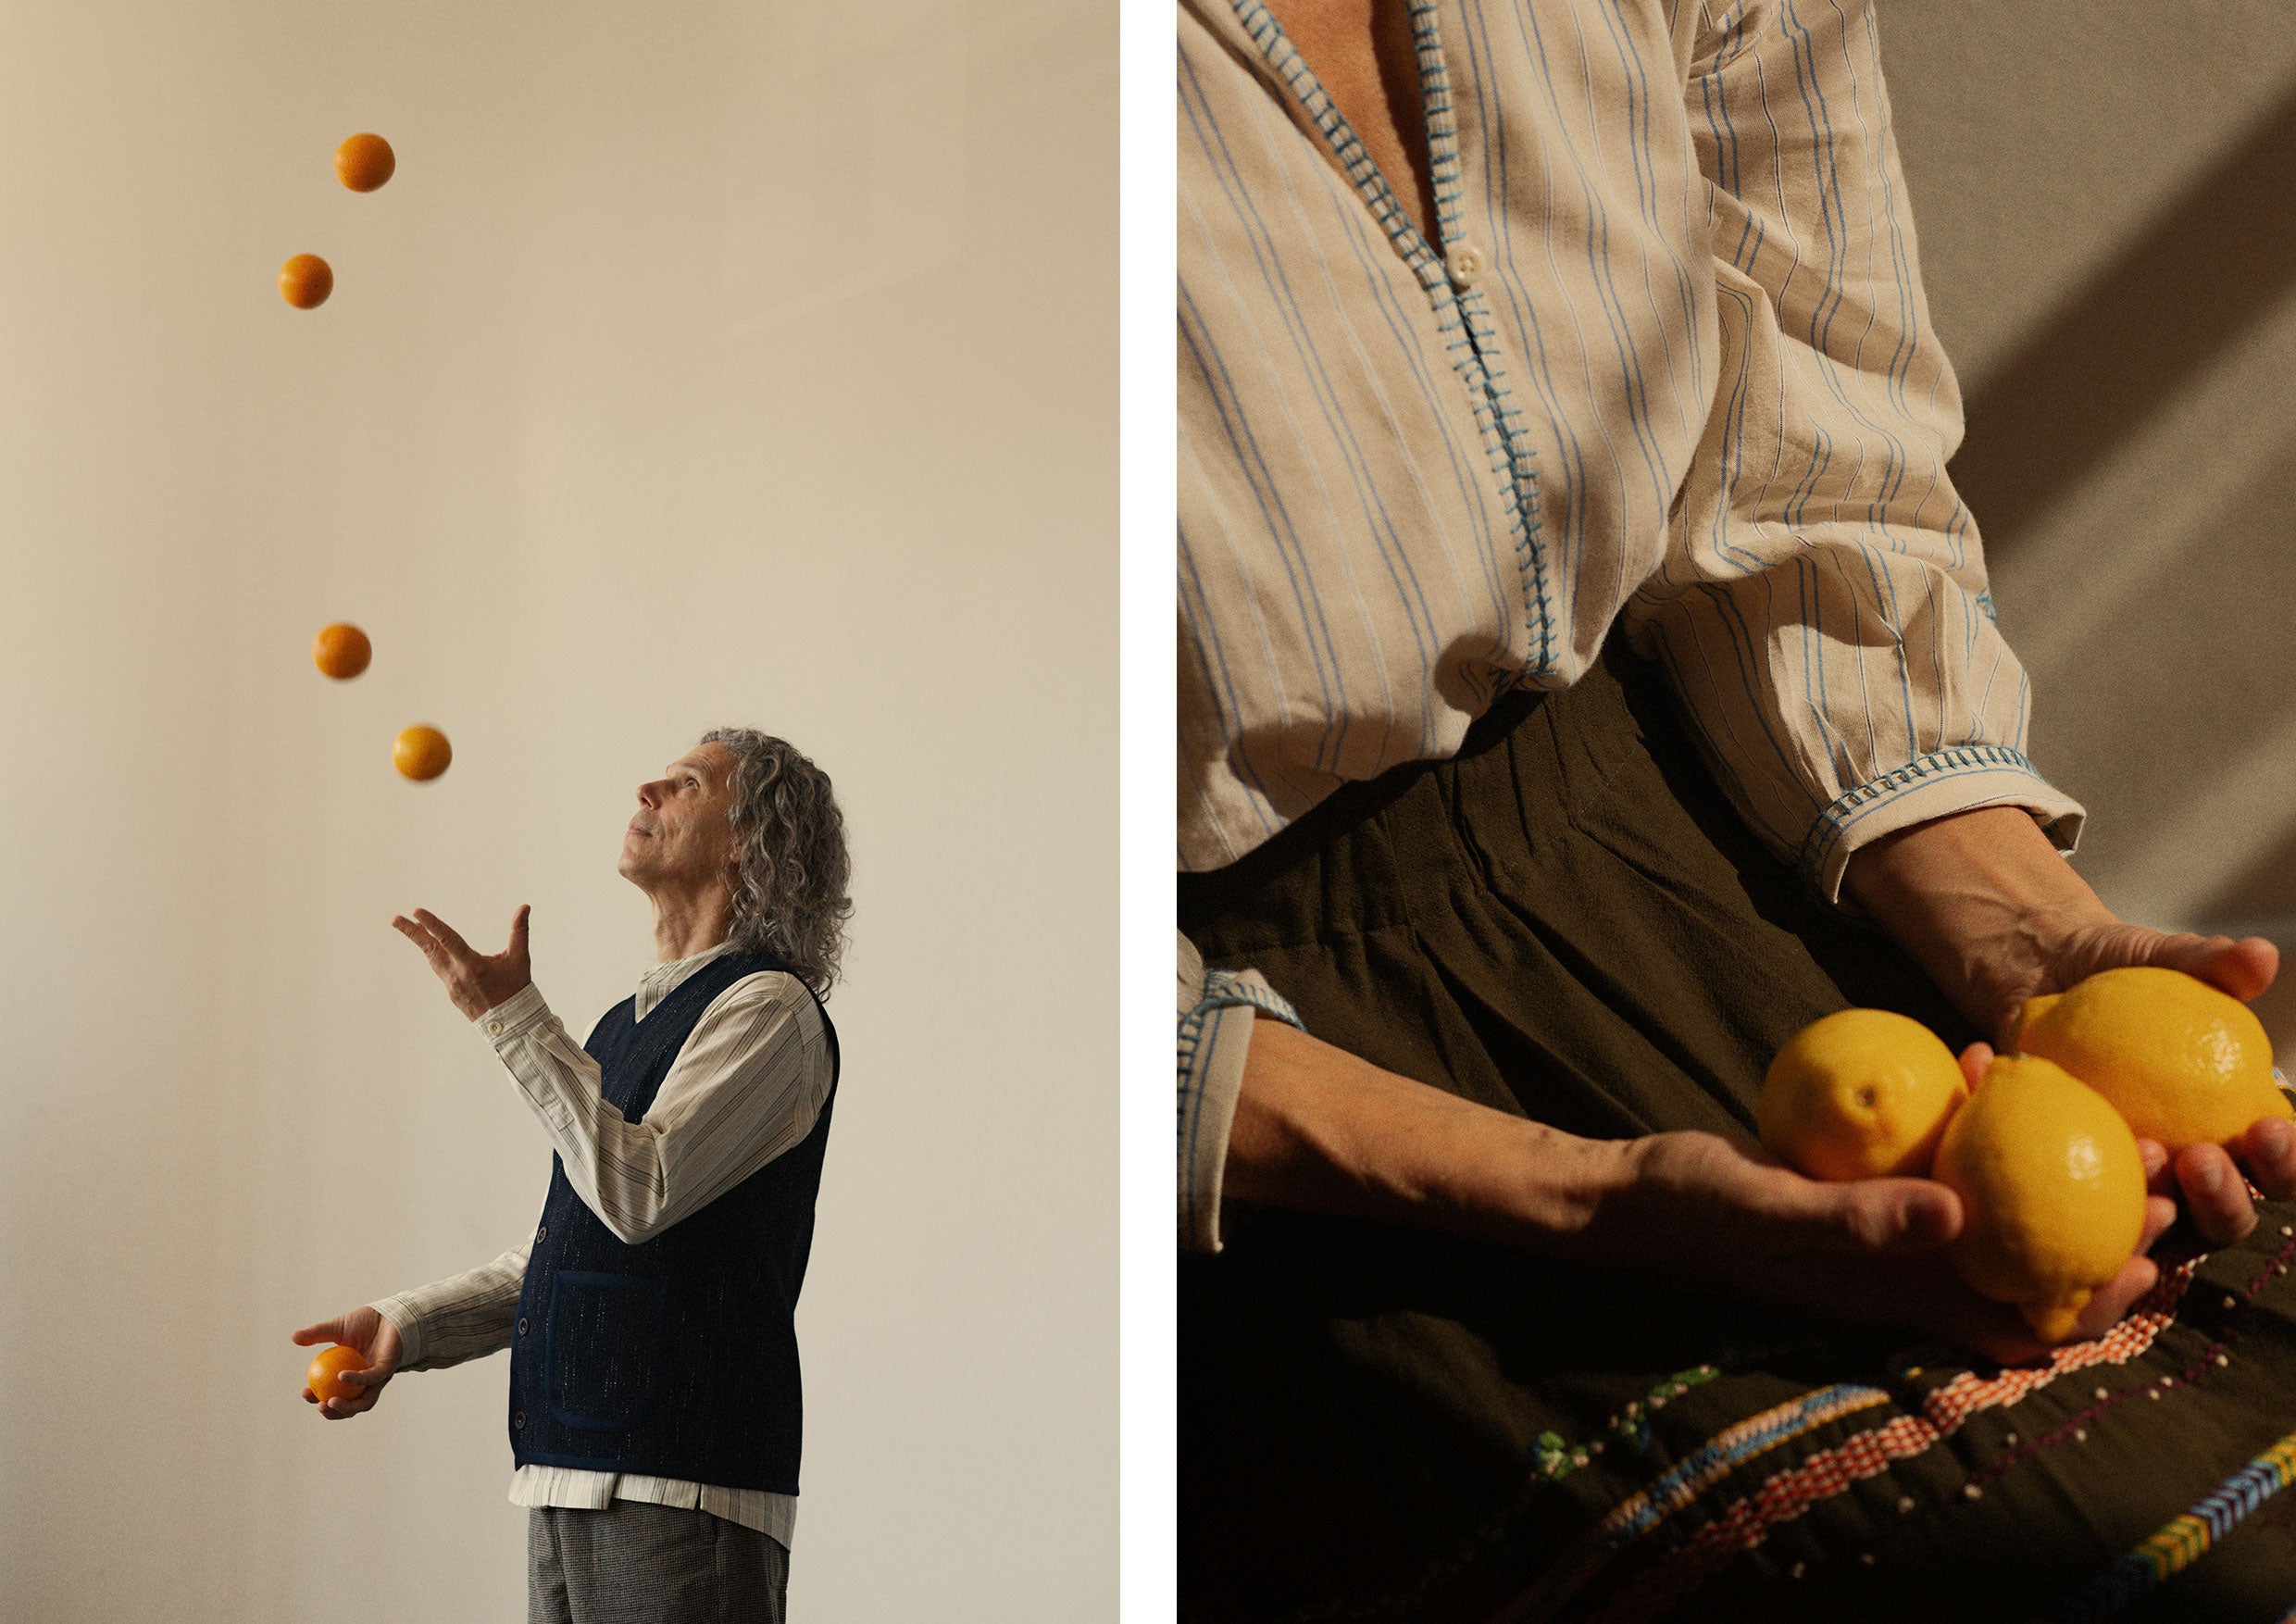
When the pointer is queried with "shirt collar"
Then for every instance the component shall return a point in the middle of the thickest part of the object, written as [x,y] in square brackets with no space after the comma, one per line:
[665,978]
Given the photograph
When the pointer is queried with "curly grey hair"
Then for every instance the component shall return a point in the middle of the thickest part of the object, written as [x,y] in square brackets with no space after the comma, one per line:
[789,843]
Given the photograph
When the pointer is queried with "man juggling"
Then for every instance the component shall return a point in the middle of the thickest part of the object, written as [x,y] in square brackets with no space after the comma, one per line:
[689,1132]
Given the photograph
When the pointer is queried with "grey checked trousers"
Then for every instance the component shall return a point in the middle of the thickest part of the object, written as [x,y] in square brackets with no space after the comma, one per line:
[636,1562]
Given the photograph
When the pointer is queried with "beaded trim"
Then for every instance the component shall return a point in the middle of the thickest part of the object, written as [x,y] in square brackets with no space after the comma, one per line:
[1786,1494]
[1631,1426]
[2183,1539]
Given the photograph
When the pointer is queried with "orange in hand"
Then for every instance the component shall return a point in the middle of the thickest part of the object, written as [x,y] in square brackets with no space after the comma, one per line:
[341,650]
[364,162]
[421,752]
[324,1376]
[306,280]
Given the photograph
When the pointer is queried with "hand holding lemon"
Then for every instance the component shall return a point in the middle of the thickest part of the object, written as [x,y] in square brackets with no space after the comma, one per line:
[1986,906]
[2049,1181]
[2053,1150]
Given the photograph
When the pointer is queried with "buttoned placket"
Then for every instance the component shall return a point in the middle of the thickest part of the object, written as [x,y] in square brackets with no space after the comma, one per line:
[1452,276]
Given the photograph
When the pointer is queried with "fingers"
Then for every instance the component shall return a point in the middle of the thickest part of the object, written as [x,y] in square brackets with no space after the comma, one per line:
[2160,1217]
[325,1331]
[2243,969]
[517,931]
[1785,1212]
[2268,1151]
[444,933]
[432,948]
[440,945]
[1892,1215]
[2116,1298]
[336,1410]
[2215,1194]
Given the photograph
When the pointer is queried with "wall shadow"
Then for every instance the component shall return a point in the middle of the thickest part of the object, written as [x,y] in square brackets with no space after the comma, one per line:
[2202,273]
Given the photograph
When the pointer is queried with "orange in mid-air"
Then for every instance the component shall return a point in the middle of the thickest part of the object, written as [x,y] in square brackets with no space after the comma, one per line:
[421,752]
[341,650]
[324,1376]
[306,280]
[364,162]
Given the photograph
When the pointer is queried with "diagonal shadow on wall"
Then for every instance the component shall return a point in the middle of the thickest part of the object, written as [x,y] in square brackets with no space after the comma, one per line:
[2203,272]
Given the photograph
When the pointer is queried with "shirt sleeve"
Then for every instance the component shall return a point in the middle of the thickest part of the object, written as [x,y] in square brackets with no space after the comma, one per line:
[747,1085]
[1823,606]
[1216,1009]
[465,1316]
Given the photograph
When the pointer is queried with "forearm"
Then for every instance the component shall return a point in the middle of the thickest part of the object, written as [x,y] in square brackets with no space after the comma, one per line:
[464,1317]
[1320,1128]
[1219,1011]
[1980,900]
[747,1085]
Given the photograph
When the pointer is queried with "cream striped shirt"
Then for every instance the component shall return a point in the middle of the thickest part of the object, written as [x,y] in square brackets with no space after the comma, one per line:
[1669,367]
[747,1085]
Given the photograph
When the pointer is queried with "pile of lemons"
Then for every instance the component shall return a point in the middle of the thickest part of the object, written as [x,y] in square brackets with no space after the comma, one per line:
[2043,1153]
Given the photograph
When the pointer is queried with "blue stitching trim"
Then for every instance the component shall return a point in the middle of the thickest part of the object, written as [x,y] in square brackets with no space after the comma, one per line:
[1222,990]
[1833,823]
[1511,455]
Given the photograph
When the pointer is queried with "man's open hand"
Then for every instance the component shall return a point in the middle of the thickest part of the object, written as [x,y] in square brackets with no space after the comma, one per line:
[476,981]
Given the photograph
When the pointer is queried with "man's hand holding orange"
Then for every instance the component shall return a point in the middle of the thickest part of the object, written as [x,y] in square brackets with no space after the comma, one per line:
[377,1341]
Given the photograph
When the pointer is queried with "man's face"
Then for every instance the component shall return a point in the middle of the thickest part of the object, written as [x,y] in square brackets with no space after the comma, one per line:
[681,838]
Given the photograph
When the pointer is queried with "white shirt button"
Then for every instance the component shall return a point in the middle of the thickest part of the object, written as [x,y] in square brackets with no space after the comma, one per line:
[1465,263]
[494,1028]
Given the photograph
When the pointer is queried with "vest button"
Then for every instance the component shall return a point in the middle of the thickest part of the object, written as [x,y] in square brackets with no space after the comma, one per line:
[542,1235]
[522,1328]
[519,1419]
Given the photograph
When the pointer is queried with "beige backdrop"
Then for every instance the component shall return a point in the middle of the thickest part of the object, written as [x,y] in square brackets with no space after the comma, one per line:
[2106,199]
[705,362]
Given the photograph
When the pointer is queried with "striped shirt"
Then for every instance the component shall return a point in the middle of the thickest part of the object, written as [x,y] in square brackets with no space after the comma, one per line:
[1666,365]
[747,1085]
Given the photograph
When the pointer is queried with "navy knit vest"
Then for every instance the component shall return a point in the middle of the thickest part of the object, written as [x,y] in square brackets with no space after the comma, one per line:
[678,1358]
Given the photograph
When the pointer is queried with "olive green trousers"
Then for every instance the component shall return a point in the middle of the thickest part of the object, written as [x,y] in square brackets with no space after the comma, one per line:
[1568,921]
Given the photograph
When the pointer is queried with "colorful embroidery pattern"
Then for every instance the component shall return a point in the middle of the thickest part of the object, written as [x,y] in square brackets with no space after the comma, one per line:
[2183,1539]
[1629,1426]
[1682,1483]
[1788,1493]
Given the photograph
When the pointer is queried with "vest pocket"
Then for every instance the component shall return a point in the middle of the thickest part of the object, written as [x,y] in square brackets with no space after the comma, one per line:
[602,1347]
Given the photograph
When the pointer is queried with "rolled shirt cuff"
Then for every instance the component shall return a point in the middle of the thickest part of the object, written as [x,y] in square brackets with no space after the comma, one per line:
[1215,1035]
[1961,779]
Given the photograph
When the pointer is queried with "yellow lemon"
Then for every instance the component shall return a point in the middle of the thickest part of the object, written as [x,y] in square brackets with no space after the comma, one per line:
[2181,1061]
[2052,1191]
[1858,1094]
